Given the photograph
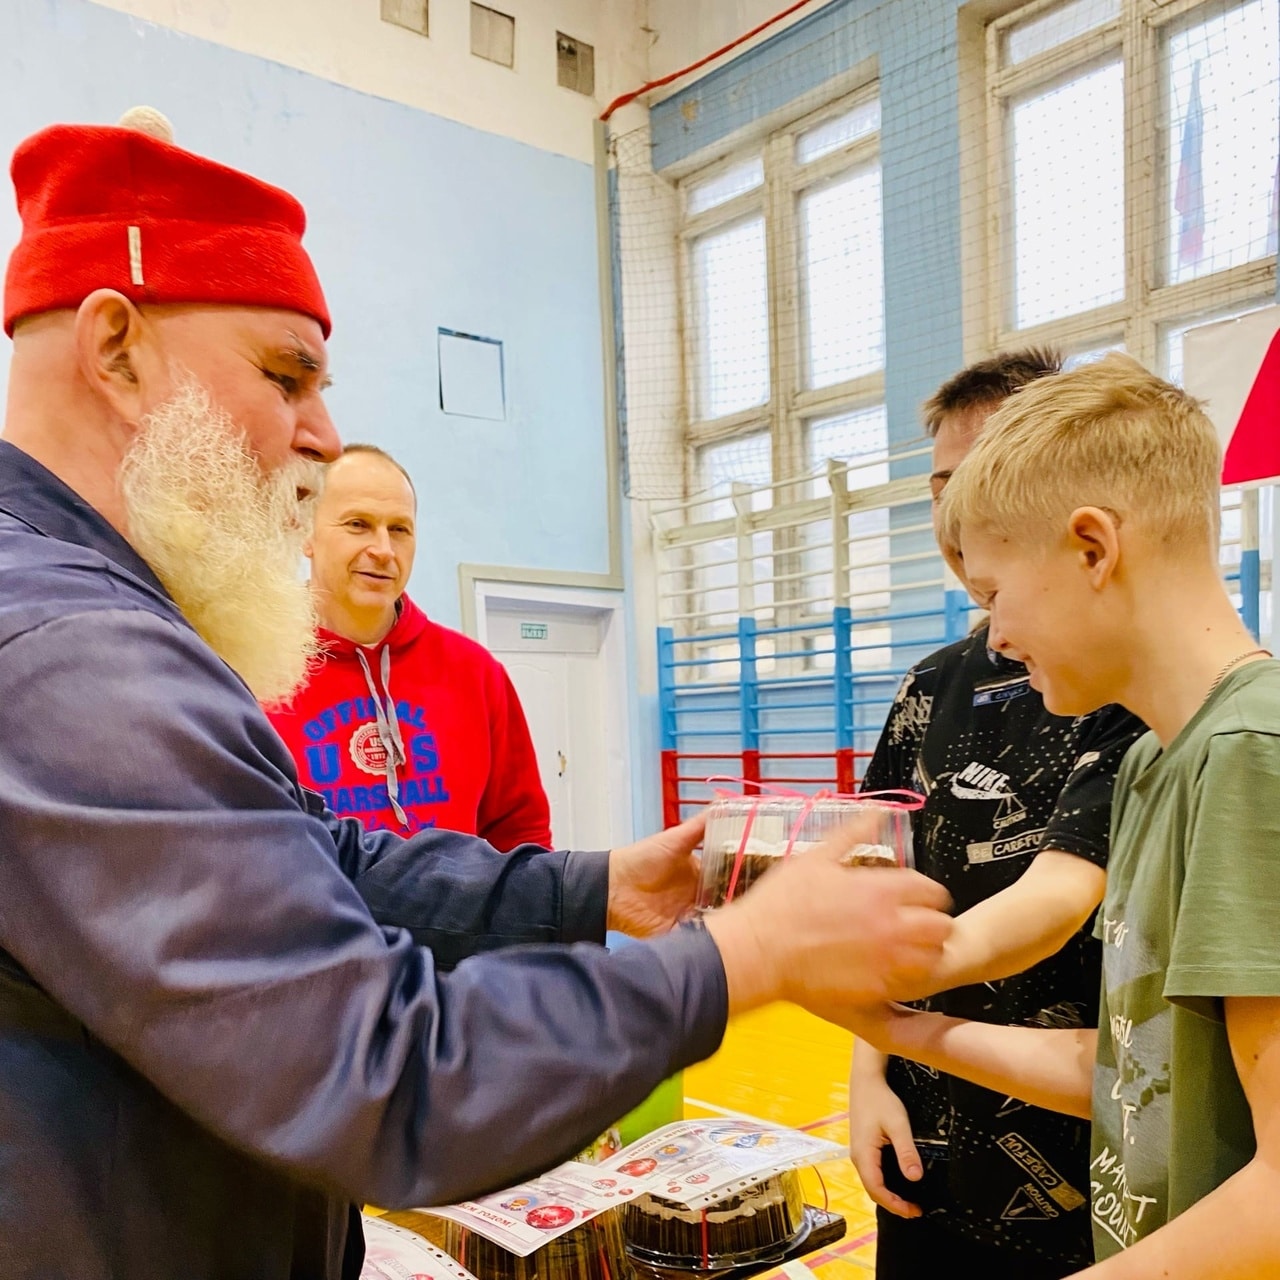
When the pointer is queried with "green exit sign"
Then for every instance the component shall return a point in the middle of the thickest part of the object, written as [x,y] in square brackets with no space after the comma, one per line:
[533,631]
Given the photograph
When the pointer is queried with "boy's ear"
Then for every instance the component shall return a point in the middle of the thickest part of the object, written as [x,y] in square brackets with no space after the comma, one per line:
[1094,536]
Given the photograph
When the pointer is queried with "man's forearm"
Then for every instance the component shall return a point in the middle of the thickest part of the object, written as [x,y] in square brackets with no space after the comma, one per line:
[751,979]
[1047,1068]
[1232,1234]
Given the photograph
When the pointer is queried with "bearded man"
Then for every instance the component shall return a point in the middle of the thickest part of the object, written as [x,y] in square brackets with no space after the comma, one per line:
[226,1015]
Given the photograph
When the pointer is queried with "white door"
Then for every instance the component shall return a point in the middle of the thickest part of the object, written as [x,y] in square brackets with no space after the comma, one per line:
[553,655]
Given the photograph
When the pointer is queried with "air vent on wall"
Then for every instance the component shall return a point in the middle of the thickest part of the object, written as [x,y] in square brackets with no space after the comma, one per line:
[575,64]
[410,14]
[493,35]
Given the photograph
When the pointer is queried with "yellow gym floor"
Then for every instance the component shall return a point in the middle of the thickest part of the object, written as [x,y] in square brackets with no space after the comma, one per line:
[781,1064]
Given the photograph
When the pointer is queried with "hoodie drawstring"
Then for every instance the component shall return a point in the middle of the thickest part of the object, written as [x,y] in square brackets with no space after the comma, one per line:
[384,710]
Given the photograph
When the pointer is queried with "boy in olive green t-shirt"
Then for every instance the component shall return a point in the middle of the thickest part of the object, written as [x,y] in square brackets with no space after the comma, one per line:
[1087,523]
[1189,917]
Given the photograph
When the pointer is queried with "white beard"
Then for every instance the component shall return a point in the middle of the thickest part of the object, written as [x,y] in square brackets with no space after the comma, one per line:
[225,539]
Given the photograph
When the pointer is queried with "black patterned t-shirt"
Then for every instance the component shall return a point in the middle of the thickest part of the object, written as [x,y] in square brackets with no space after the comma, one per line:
[1003,780]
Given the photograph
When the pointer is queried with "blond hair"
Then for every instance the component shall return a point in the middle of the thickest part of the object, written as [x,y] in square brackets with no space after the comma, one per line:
[1109,435]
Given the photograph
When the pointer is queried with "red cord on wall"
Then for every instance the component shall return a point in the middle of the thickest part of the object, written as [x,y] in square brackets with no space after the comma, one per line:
[702,62]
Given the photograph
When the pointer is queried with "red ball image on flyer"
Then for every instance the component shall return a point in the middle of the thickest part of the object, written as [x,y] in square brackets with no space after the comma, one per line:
[638,1168]
[549,1217]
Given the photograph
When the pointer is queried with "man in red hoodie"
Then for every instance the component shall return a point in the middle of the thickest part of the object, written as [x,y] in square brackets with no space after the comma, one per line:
[405,724]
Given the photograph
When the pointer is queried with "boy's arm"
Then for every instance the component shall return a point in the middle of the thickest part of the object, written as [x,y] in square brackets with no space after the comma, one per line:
[1233,1233]
[1040,912]
[1018,927]
[1047,1068]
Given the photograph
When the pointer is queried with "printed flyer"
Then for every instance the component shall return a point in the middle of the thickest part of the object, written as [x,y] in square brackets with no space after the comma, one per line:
[524,1218]
[395,1253]
[694,1163]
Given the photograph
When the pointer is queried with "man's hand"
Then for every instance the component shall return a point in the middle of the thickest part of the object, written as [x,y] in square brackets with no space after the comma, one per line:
[826,935]
[653,883]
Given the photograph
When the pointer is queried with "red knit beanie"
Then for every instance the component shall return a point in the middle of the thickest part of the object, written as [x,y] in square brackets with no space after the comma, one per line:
[116,208]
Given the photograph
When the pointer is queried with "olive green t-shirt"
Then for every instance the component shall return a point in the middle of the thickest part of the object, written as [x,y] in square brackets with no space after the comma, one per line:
[1191,915]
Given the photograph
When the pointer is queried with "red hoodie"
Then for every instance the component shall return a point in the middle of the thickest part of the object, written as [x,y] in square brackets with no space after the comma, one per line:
[459,754]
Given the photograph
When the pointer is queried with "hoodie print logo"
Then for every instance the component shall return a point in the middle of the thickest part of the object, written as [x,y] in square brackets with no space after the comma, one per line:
[346,731]
[981,782]
[368,751]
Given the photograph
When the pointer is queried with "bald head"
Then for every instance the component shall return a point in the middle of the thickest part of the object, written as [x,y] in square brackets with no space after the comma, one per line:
[357,450]
[363,545]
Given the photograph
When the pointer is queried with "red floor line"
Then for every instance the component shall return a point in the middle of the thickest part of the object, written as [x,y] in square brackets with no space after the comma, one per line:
[839,1250]
[817,1124]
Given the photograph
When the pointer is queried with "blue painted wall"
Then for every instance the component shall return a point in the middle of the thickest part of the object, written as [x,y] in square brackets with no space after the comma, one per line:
[416,223]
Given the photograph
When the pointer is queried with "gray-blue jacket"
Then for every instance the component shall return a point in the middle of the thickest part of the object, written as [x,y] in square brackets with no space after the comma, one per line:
[225,1015]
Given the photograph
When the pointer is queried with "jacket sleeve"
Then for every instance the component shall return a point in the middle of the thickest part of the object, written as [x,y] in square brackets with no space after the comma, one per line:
[514,809]
[458,896]
[163,883]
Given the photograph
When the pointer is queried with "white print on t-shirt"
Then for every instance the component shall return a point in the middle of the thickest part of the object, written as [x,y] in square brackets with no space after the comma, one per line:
[1122,1031]
[911,714]
[1027,1158]
[1114,932]
[1010,847]
[1063,1014]
[1115,1208]
[981,782]
[1128,1109]
[1029,1204]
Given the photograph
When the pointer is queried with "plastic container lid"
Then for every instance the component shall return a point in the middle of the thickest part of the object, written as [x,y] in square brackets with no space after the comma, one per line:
[748,836]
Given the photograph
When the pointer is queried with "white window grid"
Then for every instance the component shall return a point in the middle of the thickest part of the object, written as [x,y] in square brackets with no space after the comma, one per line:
[711,569]
[1142,319]
[766,180]
[1153,313]
[763,538]
[776,199]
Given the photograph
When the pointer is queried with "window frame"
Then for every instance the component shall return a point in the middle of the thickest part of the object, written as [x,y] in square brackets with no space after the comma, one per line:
[790,404]
[1148,308]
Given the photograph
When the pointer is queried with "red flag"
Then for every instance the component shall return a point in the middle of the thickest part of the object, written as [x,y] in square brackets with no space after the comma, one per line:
[1188,198]
[1254,451]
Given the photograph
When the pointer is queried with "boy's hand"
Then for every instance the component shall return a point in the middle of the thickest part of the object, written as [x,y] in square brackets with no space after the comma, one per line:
[877,1119]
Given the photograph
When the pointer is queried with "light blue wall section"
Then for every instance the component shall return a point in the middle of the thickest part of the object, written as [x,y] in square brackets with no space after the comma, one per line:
[416,223]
